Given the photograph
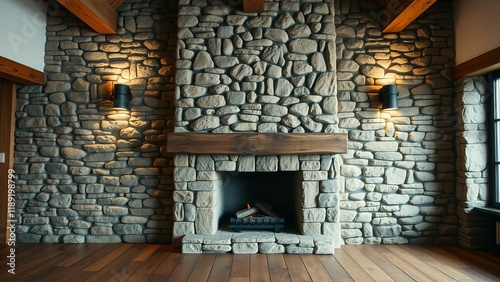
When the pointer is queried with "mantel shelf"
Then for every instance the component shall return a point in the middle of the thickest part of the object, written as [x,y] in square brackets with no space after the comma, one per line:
[256,144]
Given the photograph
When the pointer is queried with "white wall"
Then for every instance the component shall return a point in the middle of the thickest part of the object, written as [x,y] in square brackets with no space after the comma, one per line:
[477,27]
[22,29]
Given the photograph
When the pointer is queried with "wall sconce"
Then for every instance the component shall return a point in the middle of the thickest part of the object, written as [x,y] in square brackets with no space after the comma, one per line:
[388,95]
[121,97]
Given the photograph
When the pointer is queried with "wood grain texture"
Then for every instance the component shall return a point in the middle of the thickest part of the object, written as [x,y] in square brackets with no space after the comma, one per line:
[375,272]
[19,73]
[257,143]
[253,6]
[409,12]
[115,3]
[143,262]
[7,124]
[221,268]
[259,268]
[98,14]
[475,65]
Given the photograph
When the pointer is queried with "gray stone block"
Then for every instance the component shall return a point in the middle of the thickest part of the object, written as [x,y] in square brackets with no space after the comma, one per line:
[306,241]
[271,248]
[191,248]
[287,239]
[299,250]
[74,239]
[216,248]
[245,248]
[136,239]
[193,239]
[103,239]
[324,250]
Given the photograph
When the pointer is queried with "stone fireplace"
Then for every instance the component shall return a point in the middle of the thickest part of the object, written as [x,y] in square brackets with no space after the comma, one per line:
[267,73]
[198,207]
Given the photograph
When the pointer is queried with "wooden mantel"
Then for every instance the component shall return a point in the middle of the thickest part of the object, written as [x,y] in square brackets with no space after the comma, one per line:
[256,144]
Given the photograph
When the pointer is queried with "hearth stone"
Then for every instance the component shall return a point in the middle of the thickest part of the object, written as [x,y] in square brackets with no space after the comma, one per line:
[251,242]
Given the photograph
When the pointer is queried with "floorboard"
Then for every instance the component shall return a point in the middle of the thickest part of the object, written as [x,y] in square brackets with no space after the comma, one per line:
[240,269]
[165,267]
[416,273]
[334,269]
[222,268]
[143,262]
[365,262]
[439,264]
[387,266]
[149,265]
[277,268]
[316,271]
[296,268]
[184,268]
[351,267]
[202,269]
[259,268]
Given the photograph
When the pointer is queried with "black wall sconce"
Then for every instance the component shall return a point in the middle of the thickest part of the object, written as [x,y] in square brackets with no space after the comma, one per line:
[121,97]
[388,95]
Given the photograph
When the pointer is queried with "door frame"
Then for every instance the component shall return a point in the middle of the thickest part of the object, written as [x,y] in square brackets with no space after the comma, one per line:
[7,124]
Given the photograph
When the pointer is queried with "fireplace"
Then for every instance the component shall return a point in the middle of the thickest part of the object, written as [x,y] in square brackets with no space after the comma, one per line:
[256,93]
[260,201]
[201,185]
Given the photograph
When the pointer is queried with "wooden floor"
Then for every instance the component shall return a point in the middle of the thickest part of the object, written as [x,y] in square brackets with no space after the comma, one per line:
[135,262]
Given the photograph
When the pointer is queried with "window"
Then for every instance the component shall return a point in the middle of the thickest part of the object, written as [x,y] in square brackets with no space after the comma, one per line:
[494,142]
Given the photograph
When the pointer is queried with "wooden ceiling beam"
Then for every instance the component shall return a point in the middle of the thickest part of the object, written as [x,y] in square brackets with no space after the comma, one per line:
[253,6]
[397,15]
[115,3]
[488,61]
[99,15]
[19,73]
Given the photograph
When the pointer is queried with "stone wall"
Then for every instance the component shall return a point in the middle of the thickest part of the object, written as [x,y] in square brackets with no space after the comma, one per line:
[400,169]
[476,229]
[87,173]
[268,72]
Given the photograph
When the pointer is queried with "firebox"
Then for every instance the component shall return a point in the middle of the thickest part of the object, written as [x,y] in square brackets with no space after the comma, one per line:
[260,201]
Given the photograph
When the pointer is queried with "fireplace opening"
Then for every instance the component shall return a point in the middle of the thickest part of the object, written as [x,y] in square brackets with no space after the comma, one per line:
[275,190]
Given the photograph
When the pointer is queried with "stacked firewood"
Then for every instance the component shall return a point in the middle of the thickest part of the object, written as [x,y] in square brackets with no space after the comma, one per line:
[258,210]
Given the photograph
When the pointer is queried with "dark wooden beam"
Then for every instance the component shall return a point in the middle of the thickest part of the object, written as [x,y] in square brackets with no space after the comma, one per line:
[383,3]
[7,122]
[475,65]
[98,14]
[253,6]
[16,72]
[397,15]
[115,3]
[257,143]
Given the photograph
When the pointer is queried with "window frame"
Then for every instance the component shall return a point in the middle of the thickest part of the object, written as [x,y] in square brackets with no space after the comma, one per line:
[494,141]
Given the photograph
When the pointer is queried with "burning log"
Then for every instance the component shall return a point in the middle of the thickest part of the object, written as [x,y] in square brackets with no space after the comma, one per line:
[260,209]
[258,217]
[246,212]
[265,208]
